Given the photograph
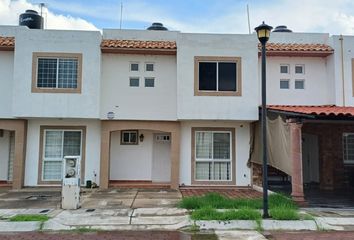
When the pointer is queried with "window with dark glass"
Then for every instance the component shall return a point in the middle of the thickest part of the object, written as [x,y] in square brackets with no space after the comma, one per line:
[217,76]
[129,137]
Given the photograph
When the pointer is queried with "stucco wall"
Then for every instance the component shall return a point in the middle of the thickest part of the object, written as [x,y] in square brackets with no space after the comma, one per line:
[131,162]
[28,104]
[318,85]
[6,71]
[138,103]
[139,162]
[92,162]
[348,55]
[4,155]
[243,174]
[243,107]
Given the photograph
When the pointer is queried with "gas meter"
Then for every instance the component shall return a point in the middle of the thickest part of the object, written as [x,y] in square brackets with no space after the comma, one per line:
[71,182]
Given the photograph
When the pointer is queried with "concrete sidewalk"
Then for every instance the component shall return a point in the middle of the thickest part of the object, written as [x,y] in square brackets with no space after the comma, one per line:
[132,209]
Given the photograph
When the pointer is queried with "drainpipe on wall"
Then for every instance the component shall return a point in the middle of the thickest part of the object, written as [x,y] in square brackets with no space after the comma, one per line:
[342,68]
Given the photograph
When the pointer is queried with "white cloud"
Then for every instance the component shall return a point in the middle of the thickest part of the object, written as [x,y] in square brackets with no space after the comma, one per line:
[332,16]
[10,11]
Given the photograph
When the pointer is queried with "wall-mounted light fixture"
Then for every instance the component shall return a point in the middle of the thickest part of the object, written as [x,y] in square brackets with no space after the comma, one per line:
[141,137]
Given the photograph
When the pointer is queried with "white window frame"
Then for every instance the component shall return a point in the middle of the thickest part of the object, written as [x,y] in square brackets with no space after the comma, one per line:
[122,142]
[299,80]
[145,78]
[346,161]
[287,80]
[130,66]
[212,160]
[57,72]
[153,64]
[44,159]
[163,138]
[134,78]
[284,65]
[303,69]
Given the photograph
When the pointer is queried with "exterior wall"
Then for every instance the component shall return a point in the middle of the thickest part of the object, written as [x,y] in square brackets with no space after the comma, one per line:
[6,72]
[139,34]
[145,161]
[138,103]
[4,155]
[64,105]
[92,161]
[131,162]
[346,65]
[318,85]
[243,107]
[242,129]
[333,173]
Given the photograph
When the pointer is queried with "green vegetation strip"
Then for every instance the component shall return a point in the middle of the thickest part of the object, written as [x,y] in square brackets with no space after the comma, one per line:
[281,207]
[29,217]
[209,213]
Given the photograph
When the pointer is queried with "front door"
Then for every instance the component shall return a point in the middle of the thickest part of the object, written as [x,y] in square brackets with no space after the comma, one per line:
[310,159]
[161,161]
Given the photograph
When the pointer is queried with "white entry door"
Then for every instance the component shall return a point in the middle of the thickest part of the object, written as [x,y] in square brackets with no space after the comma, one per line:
[310,158]
[161,161]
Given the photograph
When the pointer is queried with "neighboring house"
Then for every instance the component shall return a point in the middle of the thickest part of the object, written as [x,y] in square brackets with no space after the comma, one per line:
[310,114]
[152,108]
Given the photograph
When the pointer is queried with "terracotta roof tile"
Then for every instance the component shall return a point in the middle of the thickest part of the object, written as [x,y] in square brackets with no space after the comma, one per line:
[138,44]
[323,110]
[7,41]
[303,47]
[298,49]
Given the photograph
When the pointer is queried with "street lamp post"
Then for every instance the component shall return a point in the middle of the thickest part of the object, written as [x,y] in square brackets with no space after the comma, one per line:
[263,32]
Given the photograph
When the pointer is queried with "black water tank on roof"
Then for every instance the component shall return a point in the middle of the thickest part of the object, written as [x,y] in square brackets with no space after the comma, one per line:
[31,19]
[281,28]
[157,26]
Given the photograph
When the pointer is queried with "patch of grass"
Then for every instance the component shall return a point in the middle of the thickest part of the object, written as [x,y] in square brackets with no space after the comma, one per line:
[281,207]
[29,217]
[209,213]
[259,227]
[280,200]
[307,216]
[218,201]
[284,213]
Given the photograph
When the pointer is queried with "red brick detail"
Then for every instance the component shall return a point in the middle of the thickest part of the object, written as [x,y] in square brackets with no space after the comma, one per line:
[227,192]
[333,173]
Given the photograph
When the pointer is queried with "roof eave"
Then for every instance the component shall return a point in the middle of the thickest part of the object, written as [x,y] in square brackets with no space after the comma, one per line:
[146,51]
[271,53]
[7,48]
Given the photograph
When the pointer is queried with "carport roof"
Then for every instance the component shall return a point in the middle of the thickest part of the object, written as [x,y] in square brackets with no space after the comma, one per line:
[322,110]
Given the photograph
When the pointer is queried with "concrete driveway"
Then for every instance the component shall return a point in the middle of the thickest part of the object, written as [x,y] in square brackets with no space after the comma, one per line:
[43,198]
[131,198]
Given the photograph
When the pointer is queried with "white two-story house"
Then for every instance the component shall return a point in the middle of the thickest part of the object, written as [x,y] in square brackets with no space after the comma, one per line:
[167,109]
[158,108]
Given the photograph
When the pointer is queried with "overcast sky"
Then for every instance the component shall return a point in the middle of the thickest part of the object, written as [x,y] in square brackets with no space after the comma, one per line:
[211,16]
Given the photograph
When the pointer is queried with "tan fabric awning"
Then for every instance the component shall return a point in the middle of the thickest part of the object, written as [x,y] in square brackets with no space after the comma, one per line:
[278,136]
